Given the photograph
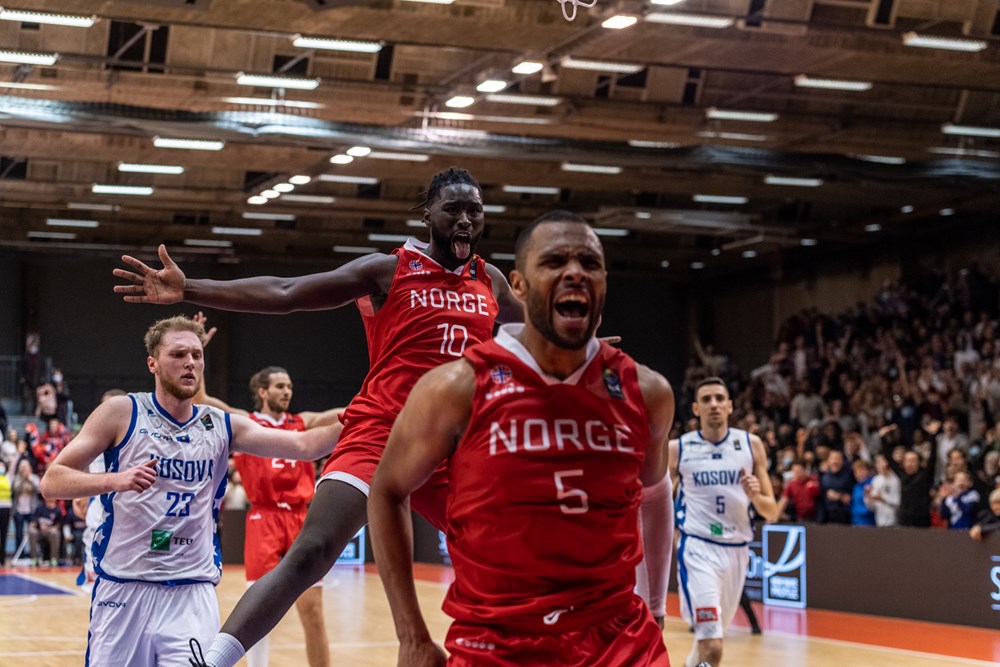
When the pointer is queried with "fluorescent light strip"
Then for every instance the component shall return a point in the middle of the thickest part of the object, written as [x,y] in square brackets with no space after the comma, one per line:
[25,58]
[208,243]
[238,231]
[93,207]
[267,102]
[642,143]
[590,168]
[286,217]
[308,199]
[720,199]
[948,43]
[494,208]
[453,115]
[666,2]
[734,136]
[433,2]
[531,100]
[355,249]
[794,182]
[882,159]
[270,194]
[492,86]
[188,144]
[169,169]
[906,209]
[608,231]
[620,22]
[133,190]
[273,81]
[393,238]
[963,152]
[808,243]
[530,189]
[415,223]
[404,157]
[342,159]
[694,20]
[58,236]
[359,151]
[946,212]
[63,222]
[28,86]
[600,65]
[257,200]
[355,180]
[45,17]
[697,265]
[300,179]
[806,81]
[335,44]
[528,67]
[460,102]
[749,254]
[752,116]
[643,215]
[872,228]
[283,187]
[503,256]
[971,130]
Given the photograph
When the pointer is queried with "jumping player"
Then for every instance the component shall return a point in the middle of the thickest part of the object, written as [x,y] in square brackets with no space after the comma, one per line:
[157,550]
[718,472]
[549,436]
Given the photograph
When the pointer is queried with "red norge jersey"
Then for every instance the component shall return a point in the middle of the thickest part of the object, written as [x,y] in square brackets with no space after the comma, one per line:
[277,482]
[430,316]
[542,513]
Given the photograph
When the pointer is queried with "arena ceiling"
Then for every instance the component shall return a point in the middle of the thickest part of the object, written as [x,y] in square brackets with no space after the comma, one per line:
[677,139]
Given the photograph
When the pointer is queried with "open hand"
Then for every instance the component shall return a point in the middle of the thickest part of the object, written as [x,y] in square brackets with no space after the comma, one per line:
[163,286]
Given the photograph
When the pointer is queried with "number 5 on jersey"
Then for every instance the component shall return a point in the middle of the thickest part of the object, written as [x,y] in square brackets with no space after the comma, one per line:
[577,497]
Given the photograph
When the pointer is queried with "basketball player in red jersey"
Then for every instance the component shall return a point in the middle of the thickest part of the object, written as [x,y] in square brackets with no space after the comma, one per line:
[422,305]
[279,491]
[549,435]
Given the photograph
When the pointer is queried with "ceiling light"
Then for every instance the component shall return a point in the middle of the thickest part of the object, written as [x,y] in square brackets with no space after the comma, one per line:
[964,152]
[270,194]
[460,102]
[405,157]
[872,228]
[139,191]
[528,67]
[309,199]
[906,209]
[358,151]
[531,100]
[666,2]
[356,180]
[257,200]
[132,168]
[590,168]
[93,207]
[882,159]
[642,143]
[301,179]
[28,86]
[63,222]
[57,236]
[415,223]
[188,144]
[696,20]
[806,81]
[341,159]
[275,81]
[749,254]
[609,231]
[433,2]
[600,65]
[492,86]
[285,217]
[238,231]
[716,252]
[808,243]
[208,243]
[479,134]
[946,212]
[620,22]
[697,265]
[283,187]
[494,208]
[530,189]
[392,238]
[643,215]
[949,43]
[335,44]
[665,264]
[734,136]
[25,58]
[794,182]
[720,199]
[265,101]
[752,116]
[355,249]
[503,256]
[971,130]
[44,17]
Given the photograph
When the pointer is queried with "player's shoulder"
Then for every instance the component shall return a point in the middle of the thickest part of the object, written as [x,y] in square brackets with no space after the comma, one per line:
[652,383]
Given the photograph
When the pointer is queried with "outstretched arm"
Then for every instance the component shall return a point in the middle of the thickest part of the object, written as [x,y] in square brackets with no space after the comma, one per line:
[252,438]
[371,274]
[424,434]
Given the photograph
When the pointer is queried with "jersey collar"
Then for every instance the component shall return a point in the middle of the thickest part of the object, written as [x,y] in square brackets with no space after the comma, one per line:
[507,338]
[421,247]
[269,419]
[166,415]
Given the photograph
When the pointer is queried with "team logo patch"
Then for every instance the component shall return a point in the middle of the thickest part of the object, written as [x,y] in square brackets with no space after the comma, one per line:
[716,456]
[207,422]
[501,374]
[613,383]
[716,529]
[161,540]
[416,265]
[186,439]
[706,615]
[737,446]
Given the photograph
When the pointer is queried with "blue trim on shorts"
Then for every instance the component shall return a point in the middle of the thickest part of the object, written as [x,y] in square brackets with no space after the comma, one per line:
[718,544]
[170,583]
[90,621]
[682,574]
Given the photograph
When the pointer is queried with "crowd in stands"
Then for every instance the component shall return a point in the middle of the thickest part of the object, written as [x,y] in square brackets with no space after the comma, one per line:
[884,414]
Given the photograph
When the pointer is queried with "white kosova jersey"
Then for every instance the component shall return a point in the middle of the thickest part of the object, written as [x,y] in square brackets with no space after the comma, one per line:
[168,533]
[711,503]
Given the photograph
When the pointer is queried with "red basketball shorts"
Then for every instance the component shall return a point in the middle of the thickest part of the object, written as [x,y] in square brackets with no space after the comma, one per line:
[269,534]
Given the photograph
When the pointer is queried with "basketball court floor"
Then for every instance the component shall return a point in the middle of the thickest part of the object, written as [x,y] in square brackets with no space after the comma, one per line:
[43,623]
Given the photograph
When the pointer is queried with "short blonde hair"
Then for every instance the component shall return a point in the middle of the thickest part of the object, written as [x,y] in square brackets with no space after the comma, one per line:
[995,496]
[154,335]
